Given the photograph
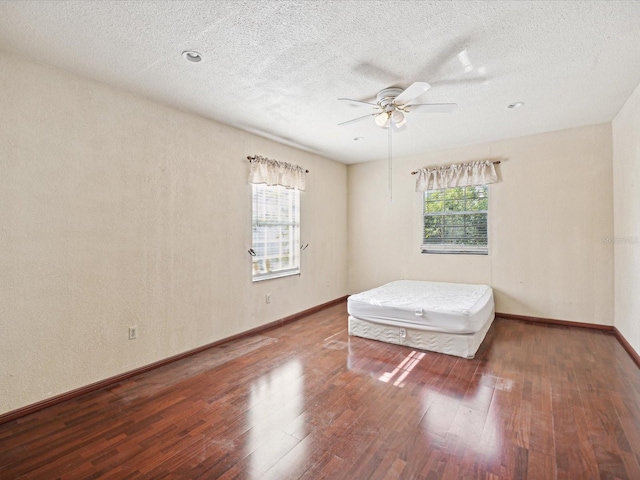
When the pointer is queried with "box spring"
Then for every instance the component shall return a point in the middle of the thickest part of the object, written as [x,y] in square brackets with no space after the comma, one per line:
[461,345]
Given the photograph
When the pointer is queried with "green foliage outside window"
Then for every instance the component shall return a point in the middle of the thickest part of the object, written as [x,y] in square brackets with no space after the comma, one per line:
[456,217]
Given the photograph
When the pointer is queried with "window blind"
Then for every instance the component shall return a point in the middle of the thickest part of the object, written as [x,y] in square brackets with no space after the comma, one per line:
[455,220]
[275,231]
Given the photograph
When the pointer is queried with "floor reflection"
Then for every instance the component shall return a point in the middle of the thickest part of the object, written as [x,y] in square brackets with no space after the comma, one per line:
[455,420]
[455,411]
[275,412]
[362,359]
[402,370]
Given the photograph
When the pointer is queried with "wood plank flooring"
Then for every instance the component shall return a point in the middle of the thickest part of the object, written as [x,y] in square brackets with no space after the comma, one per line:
[306,401]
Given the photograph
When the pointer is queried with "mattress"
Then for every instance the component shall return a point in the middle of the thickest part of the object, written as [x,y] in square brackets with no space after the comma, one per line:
[430,306]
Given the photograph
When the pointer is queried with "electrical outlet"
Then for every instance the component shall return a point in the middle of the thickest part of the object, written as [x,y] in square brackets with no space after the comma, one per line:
[133,333]
[403,333]
[267,298]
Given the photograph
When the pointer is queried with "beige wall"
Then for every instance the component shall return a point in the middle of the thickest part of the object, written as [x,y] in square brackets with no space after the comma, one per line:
[549,221]
[626,202]
[117,211]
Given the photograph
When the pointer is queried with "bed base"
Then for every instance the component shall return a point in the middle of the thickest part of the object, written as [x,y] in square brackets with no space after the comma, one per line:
[461,345]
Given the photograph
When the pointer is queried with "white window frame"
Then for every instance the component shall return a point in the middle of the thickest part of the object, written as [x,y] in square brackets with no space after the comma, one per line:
[448,247]
[275,231]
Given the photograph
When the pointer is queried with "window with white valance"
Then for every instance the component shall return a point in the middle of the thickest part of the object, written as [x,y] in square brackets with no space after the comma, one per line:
[275,219]
[455,206]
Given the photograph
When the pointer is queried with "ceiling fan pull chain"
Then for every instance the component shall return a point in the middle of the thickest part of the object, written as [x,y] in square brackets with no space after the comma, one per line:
[390,165]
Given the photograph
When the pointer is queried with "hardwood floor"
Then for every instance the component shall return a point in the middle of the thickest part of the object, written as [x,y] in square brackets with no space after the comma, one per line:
[306,401]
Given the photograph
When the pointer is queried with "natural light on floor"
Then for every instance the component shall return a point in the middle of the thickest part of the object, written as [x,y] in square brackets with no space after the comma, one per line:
[402,369]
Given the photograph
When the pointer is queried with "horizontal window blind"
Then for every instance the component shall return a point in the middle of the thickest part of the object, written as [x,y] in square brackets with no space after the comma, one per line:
[275,231]
[455,220]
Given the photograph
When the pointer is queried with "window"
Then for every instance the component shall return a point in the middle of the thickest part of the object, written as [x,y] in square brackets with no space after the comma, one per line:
[275,231]
[455,220]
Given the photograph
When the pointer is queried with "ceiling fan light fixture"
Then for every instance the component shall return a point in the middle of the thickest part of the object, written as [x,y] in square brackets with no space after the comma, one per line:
[398,118]
[382,119]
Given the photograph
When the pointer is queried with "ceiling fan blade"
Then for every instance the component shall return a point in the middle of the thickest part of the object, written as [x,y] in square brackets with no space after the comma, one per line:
[357,101]
[358,119]
[462,81]
[415,90]
[431,107]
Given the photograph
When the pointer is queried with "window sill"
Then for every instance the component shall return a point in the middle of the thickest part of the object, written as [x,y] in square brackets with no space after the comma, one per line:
[270,276]
[454,251]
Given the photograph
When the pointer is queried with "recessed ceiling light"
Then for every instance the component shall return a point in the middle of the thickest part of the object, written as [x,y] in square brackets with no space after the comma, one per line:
[515,105]
[192,56]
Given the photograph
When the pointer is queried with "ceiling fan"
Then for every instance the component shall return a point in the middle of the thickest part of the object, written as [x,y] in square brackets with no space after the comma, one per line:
[392,105]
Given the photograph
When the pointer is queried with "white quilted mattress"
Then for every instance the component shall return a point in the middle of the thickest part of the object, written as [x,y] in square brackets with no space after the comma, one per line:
[438,307]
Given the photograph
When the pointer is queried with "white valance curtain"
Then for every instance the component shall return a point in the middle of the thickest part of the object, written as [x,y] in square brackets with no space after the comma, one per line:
[272,172]
[459,175]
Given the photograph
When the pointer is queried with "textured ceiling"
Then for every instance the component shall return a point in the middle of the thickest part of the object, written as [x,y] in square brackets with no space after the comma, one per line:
[277,68]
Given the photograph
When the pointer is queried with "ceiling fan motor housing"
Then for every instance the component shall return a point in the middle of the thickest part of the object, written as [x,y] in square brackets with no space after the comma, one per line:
[386,97]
